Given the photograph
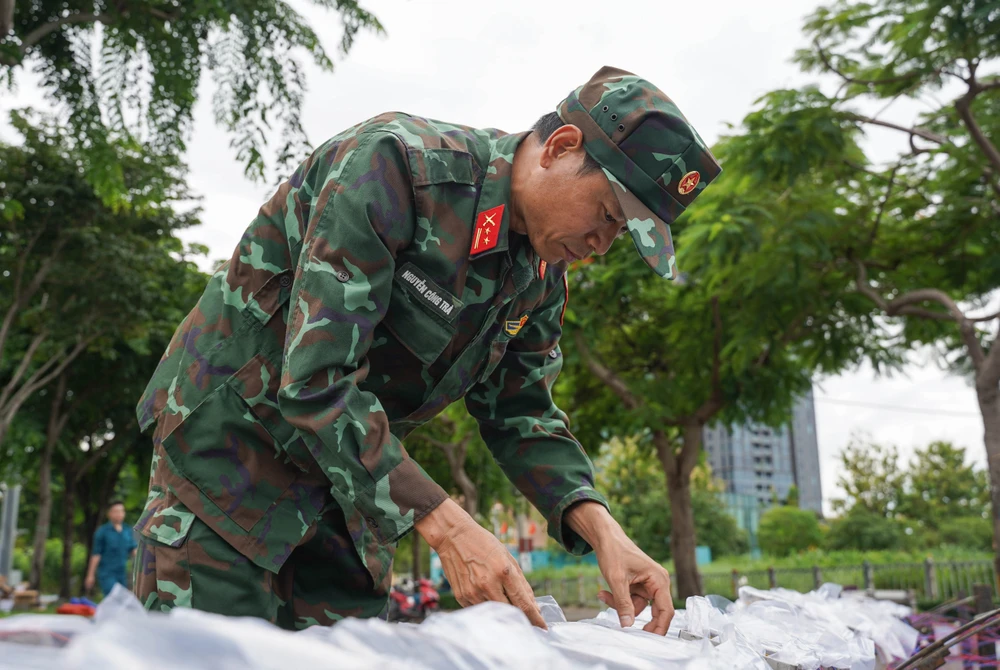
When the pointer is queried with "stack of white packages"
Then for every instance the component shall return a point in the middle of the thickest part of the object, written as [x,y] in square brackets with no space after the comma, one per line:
[765,630]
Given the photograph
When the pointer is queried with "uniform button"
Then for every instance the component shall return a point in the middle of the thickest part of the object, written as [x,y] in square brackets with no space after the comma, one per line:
[371,522]
[343,276]
[285,281]
[553,354]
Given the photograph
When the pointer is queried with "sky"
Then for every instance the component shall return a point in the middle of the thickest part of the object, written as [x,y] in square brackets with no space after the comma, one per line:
[504,64]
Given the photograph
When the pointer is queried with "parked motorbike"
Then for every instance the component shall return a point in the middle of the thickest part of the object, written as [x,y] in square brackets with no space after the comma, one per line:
[413,602]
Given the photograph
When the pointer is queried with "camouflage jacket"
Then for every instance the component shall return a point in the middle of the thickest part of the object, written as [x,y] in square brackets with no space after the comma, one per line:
[377,286]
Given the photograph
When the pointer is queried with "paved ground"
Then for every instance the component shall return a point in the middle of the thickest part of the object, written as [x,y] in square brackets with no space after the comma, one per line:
[578,613]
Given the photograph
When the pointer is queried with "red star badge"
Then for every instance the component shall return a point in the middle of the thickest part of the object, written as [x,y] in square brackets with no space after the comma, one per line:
[688,182]
[487,232]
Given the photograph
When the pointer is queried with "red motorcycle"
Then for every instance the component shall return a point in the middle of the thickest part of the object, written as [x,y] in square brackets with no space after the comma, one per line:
[413,604]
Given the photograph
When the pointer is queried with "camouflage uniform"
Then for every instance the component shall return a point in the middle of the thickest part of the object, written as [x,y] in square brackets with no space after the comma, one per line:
[378,285]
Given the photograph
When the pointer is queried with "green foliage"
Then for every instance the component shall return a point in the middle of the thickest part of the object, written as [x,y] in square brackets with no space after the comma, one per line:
[793,496]
[53,563]
[152,56]
[870,477]
[787,530]
[84,278]
[633,482]
[454,435]
[941,488]
[971,532]
[863,530]
[936,500]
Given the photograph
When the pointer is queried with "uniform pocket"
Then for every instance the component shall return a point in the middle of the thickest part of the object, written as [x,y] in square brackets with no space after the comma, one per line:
[165,518]
[418,323]
[230,457]
[257,384]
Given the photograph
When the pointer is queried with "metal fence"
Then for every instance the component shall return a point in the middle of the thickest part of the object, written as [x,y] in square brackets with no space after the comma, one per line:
[930,580]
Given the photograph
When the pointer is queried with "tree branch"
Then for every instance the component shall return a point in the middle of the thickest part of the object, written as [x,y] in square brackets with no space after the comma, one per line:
[96,455]
[867,82]
[8,389]
[919,132]
[980,319]
[714,401]
[21,298]
[884,200]
[907,305]
[964,108]
[37,381]
[36,35]
[613,381]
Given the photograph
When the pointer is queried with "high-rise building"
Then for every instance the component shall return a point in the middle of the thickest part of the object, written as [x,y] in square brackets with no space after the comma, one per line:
[763,462]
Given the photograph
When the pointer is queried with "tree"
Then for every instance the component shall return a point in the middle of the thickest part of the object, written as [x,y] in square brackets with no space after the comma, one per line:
[786,530]
[91,302]
[629,474]
[736,339]
[152,57]
[864,530]
[82,276]
[915,235]
[793,496]
[941,487]
[871,478]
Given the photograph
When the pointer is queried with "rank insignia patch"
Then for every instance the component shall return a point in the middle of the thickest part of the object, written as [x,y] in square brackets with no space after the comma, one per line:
[514,327]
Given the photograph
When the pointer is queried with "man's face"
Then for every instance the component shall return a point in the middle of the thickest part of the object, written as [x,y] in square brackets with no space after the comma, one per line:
[116,514]
[568,215]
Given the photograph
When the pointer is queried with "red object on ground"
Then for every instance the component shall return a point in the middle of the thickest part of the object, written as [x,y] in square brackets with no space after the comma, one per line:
[82,610]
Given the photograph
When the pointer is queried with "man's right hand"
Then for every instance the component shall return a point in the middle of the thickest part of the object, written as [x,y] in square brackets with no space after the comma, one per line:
[88,583]
[478,567]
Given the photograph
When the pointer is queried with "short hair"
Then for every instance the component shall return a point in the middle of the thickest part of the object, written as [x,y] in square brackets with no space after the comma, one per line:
[115,502]
[550,123]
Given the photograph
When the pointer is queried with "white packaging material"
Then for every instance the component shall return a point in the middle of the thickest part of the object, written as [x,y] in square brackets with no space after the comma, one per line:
[763,630]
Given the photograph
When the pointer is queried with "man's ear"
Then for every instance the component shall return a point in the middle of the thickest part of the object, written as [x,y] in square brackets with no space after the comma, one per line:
[565,141]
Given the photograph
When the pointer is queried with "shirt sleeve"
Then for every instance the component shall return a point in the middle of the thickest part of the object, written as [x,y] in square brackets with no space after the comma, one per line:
[526,432]
[362,213]
[131,543]
[98,548]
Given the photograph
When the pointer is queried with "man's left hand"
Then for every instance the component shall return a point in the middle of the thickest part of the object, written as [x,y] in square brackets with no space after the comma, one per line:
[634,578]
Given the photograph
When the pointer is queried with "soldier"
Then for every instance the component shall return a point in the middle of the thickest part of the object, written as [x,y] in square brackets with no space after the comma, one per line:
[406,264]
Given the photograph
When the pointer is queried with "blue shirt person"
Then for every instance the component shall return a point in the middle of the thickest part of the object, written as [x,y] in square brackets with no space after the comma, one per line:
[114,544]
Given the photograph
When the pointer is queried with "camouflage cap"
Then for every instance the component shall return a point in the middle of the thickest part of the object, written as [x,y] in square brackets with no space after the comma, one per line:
[655,160]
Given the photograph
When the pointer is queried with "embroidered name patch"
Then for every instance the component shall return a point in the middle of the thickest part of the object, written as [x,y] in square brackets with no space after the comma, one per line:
[416,281]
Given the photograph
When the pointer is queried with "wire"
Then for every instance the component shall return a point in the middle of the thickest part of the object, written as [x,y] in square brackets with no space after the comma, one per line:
[897,408]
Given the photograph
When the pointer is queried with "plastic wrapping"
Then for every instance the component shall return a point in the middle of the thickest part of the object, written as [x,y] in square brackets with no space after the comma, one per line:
[773,630]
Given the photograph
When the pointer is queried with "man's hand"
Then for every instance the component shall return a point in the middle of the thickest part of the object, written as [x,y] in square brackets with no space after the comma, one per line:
[88,583]
[633,577]
[477,565]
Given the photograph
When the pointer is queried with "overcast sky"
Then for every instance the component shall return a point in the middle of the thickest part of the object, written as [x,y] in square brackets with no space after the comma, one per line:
[504,64]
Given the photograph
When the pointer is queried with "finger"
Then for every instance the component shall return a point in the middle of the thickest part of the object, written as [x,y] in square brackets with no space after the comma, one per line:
[639,603]
[622,602]
[519,592]
[658,590]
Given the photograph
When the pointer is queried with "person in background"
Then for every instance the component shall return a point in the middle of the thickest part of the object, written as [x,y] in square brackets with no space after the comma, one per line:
[114,544]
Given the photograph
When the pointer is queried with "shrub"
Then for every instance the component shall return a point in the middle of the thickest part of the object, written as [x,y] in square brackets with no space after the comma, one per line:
[53,563]
[788,530]
[864,530]
[970,532]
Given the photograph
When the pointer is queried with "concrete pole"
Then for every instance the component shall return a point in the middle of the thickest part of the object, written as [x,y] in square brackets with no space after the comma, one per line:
[11,497]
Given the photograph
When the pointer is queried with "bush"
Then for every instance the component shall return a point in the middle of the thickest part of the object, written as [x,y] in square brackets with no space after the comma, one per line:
[864,530]
[970,532]
[788,530]
[52,568]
